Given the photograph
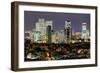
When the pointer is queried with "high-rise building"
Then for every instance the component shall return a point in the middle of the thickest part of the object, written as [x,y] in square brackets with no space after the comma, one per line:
[68,32]
[88,34]
[53,37]
[41,26]
[59,36]
[49,32]
[49,23]
[36,36]
[85,32]
[37,26]
[76,37]
[49,29]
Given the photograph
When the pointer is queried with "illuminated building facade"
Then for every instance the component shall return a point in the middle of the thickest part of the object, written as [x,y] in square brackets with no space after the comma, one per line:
[68,32]
[49,33]
[59,36]
[53,37]
[85,32]
[36,36]
[41,27]
[43,33]
[76,37]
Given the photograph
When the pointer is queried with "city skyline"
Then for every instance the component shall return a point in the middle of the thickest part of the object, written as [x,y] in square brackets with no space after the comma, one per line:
[31,17]
[70,38]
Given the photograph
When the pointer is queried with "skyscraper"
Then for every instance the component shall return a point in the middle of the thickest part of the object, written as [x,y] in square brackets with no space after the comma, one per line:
[41,26]
[59,36]
[49,29]
[68,32]
[49,32]
[49,23]
[85,32]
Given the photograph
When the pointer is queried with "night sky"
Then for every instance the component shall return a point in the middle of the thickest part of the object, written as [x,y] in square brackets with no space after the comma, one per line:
[31,17]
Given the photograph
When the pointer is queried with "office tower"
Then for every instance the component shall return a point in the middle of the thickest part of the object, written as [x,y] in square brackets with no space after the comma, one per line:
[85,32]
[49,28]
[37,26]
[41,27]
[59,36]
[49,34]
[49,23]
[88,34]
[68,32]
[53,37]
[36,36]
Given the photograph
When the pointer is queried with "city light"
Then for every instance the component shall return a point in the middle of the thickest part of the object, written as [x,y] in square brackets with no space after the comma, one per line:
[45,43]
[40,33]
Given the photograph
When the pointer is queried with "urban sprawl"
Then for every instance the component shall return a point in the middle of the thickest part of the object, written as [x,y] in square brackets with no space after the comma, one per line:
[45,43]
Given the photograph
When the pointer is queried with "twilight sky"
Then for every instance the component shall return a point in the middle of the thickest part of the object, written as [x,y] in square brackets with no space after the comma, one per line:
[31,17]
